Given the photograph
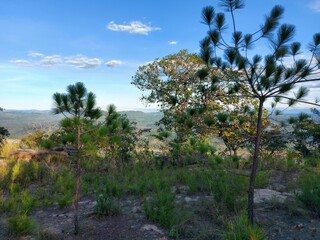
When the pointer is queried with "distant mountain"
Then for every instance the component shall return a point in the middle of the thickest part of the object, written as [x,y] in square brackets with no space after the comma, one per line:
[21,122]
[295,111]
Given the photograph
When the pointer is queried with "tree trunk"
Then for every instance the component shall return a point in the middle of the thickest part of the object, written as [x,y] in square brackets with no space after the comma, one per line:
[255,163]
[77,193]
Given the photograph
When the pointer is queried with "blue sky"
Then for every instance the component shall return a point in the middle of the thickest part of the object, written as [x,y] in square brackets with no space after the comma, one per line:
[47,45]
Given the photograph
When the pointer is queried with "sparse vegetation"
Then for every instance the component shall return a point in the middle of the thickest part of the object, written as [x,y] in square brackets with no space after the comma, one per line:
[191,171]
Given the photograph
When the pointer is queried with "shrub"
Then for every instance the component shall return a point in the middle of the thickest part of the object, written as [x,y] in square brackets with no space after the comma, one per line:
[241,229]
[23,173]
[228,190]
[21,225]
[310,192]
[161,208]
[27,202]
[64,188]
[106,205]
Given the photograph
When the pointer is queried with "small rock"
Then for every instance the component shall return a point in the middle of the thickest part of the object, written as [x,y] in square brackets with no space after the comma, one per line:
[299,226]
[189,199]
[136,209]
[149,227]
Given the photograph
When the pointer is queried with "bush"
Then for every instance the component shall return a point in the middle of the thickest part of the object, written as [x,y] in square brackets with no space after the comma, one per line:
[106,205]
[21,225]
[241,229]
[161,208]
[228,190]
[27,202]
[310,192]
[64,188]
[23,173]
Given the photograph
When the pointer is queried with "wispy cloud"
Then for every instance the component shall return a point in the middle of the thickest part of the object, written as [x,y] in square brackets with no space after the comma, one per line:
[315,6]
[134,27]
[51,60]
[21,62]
[81,61]
[35,54]
[113,63]
[173,42]
[40,59]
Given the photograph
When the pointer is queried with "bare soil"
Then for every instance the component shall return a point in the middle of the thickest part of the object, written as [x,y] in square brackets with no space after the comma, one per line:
[273,216]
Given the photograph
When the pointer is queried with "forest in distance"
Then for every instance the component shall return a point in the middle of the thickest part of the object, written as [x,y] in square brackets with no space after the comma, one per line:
[227,156]
[21,122]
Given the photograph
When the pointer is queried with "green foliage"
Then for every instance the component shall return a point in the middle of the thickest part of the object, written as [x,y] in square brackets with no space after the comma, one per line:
[160,207]
[27,202]
[306,133]
[240,229]
[64,188]
[257,79]
[228,190]
[35,140]
[106,205]
[310,192]
[3,134]
[24,173]
[21,225]
[118,137]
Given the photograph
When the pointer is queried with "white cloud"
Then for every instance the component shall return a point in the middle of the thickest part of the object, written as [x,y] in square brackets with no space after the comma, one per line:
[50,60]
[173,42]
[315,6]
[35,54]
[134,27]
[21,62]
[114,63]
[81,61]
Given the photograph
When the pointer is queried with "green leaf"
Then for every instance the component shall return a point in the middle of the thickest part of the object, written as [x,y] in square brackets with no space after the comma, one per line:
[302,92]
[222,117]
[208,15]
[272,21]
[203,73]
[286,87]
[236,37]
[295,48]
[220,22]
[230,55]
[291,102]
[284,34]
[316,39]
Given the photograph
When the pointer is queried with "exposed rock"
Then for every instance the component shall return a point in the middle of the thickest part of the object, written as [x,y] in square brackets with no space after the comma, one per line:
[265,195]
[149,227]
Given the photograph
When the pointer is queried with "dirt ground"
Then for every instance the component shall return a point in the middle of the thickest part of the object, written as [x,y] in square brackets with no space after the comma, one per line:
[278,222]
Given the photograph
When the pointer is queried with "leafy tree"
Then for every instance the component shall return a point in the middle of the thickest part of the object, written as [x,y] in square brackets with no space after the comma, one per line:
[191,98]
[78,107]
[306,132]
[260,77]
[172,82]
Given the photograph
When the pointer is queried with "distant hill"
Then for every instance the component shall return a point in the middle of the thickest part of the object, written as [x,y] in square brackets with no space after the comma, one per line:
[21,122]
